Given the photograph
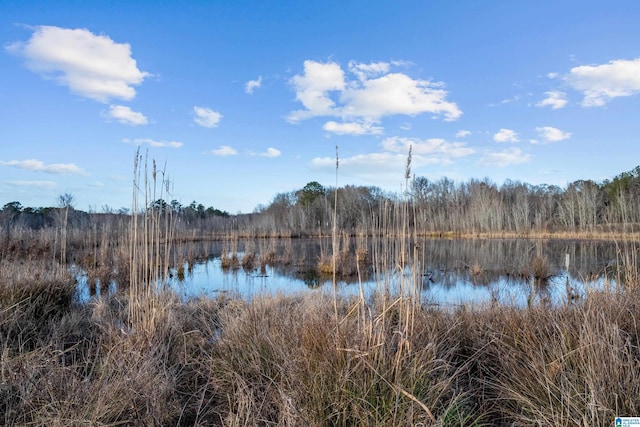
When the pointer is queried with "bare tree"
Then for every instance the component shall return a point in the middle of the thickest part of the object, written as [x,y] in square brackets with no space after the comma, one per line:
[65,202]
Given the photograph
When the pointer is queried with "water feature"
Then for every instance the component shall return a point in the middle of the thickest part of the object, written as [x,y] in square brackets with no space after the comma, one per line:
[449,272]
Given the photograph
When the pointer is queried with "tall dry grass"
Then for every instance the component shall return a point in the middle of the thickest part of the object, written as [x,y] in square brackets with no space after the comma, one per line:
[150,240]
[281,361]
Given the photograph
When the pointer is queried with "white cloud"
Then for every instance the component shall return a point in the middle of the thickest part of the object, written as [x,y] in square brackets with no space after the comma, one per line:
[271,152]
[45,185]
[93,66]
[436,148]
[352,128]
[462,133]
[312,89]
[551,134]
[373,164]
[40,166]
[554,99]
[206,117]
[506,135]
[324,90]
[510,156]
[387,167]
[126,115]
[397,93]
[224,150]
[601,83]
[252,85]
[153,143]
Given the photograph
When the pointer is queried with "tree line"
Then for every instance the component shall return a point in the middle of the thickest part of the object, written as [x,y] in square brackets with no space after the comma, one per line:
[430,206]
[474,206]
[15,214]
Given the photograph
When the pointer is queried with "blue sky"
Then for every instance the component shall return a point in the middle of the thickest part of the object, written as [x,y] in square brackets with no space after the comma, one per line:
[246,99]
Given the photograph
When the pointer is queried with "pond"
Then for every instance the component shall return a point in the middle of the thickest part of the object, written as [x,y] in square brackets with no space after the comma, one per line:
[447,272]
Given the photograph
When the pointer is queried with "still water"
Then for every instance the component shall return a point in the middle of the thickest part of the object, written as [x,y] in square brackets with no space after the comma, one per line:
[446,272]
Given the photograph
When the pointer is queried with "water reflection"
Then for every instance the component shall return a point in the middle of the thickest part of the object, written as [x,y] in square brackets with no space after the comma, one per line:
[447,272]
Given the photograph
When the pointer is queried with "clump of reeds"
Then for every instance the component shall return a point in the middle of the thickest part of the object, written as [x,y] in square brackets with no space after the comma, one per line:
[300,369]
[475,269]
[229,258]
[150,240]
[268,254]
[571,364]
[626,267]
[229,261]
[540,267]
[249,261]
[345,265]
[249,257]
[32,294]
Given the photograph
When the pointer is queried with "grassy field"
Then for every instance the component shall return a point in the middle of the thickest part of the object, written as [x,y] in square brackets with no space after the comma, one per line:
[298,360]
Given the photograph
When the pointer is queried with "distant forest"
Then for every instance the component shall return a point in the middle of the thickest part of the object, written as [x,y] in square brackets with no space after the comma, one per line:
[442,206]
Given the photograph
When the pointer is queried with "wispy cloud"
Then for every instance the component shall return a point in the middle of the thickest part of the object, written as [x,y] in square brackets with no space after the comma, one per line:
[462,133]
[389,163]
[206,117]
[224,150]
[271,152]
[513,99]
[506,135]
[40,166]
[437,149]
[551,134]
[325,89]
[554,99]
[602,83]
[352,128]
[153,143]
[126,115]
[365,165]
[93,66]
[510,156]
[367,71]
[45,185]
[252,85]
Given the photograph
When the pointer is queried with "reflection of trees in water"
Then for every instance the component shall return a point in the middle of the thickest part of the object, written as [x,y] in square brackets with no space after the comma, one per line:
[445,262]
[483,261]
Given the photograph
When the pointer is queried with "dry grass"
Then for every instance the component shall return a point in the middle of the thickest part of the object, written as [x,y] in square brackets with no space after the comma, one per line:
[284,361]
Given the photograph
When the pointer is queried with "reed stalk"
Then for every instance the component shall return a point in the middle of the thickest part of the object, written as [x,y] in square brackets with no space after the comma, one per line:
[334,241]
[151,236]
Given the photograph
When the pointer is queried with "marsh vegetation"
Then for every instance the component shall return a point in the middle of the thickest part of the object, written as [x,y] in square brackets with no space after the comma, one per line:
[139,354]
